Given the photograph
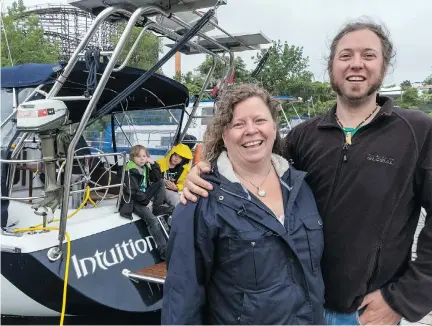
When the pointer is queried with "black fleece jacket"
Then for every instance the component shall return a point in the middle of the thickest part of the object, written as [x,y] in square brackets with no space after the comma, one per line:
[369,195]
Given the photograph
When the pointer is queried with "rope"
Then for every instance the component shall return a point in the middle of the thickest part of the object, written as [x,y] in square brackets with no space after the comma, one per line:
[92,57]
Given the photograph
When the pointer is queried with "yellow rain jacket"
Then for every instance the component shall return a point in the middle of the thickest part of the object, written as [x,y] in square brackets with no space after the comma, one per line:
[180,173]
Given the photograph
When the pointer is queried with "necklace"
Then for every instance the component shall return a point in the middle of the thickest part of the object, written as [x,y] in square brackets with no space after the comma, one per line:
[260,192]
[349,132]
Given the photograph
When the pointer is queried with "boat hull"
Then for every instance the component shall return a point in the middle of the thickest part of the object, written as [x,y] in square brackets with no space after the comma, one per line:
[32,285]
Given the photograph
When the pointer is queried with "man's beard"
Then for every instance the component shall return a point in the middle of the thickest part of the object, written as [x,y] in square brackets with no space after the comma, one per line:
[356,100]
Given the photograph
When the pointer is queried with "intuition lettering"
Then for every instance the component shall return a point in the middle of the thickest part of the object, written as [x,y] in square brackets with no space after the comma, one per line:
[113,256]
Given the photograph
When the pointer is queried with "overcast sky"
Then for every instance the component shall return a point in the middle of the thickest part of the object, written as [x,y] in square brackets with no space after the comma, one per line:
[313,23]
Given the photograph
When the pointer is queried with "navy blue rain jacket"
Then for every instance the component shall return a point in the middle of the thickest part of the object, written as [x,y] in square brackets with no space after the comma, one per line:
[230,261]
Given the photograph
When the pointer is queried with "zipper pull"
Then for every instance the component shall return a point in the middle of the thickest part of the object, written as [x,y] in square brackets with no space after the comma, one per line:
[345,150]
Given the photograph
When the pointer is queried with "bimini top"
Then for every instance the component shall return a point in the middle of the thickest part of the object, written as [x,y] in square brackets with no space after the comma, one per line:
[158,91]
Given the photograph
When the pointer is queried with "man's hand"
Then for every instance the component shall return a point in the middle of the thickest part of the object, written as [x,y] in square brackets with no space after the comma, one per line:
[195,184]
[377,311]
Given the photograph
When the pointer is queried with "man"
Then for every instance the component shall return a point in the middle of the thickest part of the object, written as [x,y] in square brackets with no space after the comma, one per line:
[369,165]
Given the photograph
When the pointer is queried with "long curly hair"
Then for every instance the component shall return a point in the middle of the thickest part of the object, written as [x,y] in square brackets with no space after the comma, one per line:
[225,104]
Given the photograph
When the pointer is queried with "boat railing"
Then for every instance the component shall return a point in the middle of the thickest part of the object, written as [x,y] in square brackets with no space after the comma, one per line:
[86,180]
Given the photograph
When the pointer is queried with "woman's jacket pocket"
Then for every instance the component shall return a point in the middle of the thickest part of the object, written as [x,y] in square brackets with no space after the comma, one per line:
[254,260]
[309,240]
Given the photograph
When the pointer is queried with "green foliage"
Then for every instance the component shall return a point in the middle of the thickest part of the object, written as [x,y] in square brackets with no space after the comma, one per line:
[428,80]
[25,38]
[409,99]
[241,73]
[285,68]
[284,73]
[405,84]
[147,52]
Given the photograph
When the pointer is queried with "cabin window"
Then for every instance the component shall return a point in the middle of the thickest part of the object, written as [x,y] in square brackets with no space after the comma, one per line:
[207,112]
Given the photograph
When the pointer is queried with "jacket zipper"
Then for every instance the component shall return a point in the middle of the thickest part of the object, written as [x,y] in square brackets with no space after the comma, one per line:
[253,253]
[344,159]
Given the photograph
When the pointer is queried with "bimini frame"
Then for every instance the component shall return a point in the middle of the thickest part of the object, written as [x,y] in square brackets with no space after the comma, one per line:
[138,15]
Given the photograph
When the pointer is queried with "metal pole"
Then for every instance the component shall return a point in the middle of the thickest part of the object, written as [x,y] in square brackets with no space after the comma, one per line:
[163,30]
[137,83]
[96,95]
[134,46]
[74,58]
[230,70]
[197,101]
[121,182]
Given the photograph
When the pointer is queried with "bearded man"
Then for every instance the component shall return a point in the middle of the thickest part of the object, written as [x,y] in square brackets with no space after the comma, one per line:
[369,164]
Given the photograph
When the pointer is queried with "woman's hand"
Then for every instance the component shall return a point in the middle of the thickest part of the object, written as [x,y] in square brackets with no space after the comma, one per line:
[195,184]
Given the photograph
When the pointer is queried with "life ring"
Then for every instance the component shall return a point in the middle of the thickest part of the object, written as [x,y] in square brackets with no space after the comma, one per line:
[197,154]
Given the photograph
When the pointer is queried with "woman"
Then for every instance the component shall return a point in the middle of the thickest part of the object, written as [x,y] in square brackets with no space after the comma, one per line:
[250,252]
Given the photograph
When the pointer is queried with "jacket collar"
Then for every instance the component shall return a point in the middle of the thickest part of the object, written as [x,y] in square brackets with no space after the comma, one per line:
[386,103]
[223,175]
[225,167]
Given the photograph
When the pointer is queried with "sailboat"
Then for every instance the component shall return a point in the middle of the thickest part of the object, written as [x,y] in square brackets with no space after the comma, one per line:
[65,250]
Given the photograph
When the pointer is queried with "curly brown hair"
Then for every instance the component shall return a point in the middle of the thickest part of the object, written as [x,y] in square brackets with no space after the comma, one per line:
[213,144]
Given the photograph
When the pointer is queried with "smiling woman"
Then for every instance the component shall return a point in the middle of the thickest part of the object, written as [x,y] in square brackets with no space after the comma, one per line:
[238,243]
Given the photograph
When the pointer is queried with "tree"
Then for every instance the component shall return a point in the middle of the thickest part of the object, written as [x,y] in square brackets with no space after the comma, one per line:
[241,73]
[147,52]
[25,41]
[405,84]
[428,80]
[285,68]
[410,99]
[194,84]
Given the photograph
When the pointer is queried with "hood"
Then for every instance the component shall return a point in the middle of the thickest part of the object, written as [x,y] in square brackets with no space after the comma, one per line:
[182,150]
[132,167]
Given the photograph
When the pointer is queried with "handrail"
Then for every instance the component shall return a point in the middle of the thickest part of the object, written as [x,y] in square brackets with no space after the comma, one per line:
[131,51]
[123,154]
[198,100]
[37,160]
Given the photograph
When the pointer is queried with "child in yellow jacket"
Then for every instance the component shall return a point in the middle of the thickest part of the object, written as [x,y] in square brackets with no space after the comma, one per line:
[175,167]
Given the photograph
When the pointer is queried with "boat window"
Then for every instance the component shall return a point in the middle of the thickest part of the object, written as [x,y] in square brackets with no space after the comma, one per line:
[166,141]
[208,112]
[152,128]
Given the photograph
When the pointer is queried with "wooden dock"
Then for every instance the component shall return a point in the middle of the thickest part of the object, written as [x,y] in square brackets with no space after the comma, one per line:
[428,319]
